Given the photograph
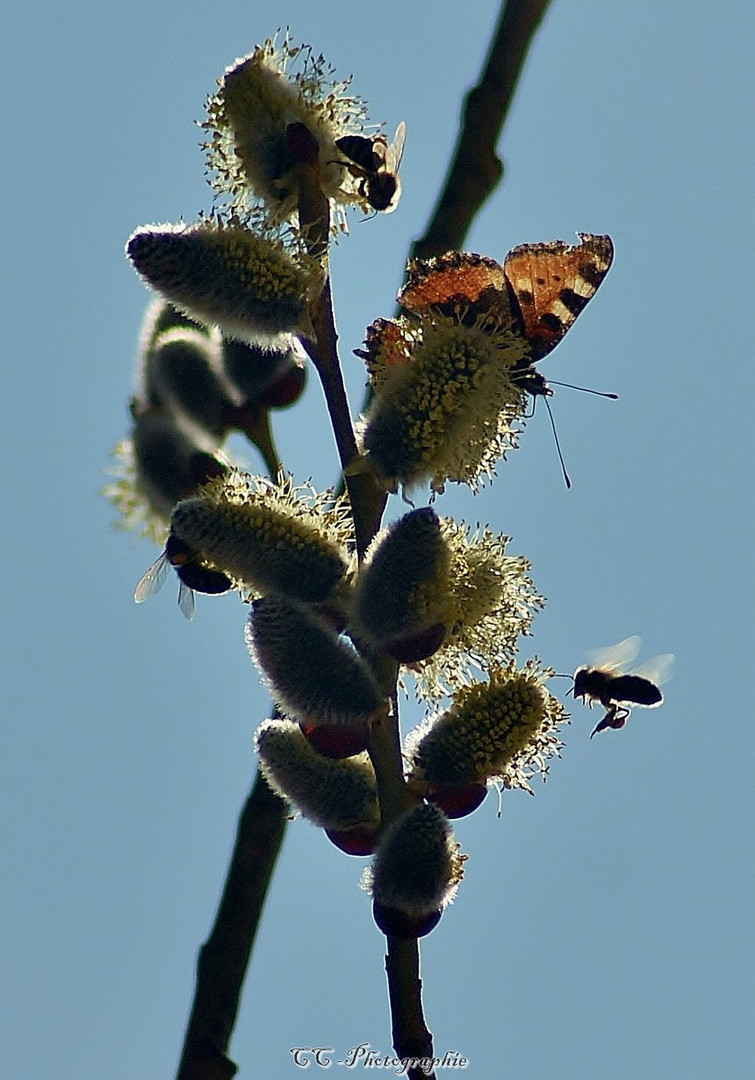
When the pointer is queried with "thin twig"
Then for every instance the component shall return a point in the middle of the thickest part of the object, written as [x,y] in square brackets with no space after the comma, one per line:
[366,495]
[259,431]
[411,1037]
[224,957]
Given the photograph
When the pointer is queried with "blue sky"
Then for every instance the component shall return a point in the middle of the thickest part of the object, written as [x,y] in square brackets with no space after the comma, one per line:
[604,928]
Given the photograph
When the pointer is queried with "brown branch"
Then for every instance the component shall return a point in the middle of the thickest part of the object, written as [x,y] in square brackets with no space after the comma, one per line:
[411,1037]
[223,959]
[366,496]
[259,431]
[475,167]
[473,173]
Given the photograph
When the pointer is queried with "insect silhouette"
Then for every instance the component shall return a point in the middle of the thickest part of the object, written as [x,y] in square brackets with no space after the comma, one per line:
[606,681]
[193,576]
[375,162]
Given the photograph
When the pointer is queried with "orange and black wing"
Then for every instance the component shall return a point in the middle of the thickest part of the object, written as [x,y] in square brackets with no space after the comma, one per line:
[551,283]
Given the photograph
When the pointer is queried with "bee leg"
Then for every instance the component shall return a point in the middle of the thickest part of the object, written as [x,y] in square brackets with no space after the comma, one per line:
[610,719]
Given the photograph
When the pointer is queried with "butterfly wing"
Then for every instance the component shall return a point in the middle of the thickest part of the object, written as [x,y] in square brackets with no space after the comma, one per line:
[453,282]
[551,283]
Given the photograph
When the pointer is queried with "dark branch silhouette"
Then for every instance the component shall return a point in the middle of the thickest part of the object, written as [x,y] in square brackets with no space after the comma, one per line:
[474,172]
[223,959]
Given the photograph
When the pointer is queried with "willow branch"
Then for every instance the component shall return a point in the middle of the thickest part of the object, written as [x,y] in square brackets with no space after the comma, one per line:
[411,1037]
[474,171]
[223,959]
[366,496]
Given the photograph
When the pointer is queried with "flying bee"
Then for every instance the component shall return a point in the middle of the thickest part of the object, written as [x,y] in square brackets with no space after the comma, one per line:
[193,576]
[375,163]
[606,681]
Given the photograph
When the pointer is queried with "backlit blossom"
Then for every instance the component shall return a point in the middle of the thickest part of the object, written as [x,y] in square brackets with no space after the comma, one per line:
[332,794]
[156,467]
[501,730]
[446,412]
[269,537]
[415,873]
[261,99]
[221,272]
[490,603]
[314,675]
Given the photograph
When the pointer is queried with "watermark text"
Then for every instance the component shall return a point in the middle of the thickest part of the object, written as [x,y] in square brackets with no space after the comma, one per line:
[365,1057]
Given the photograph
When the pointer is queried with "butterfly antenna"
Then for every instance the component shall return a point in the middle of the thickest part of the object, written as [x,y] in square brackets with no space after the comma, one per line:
[585,389]
[558,445]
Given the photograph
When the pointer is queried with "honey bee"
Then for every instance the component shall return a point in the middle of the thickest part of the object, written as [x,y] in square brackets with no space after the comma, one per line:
[617,691]
[375,162]
[193,576]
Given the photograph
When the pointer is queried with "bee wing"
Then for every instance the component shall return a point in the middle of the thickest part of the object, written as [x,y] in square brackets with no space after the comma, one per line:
[616,657]
[395,151]
[186,600]
[658,670]
[152,580]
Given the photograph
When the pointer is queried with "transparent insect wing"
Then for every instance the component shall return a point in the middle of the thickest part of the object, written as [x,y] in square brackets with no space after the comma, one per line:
[658,670]
[385,187]
[186,600]
[395,151]
[616,658]
[152,580]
